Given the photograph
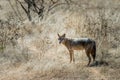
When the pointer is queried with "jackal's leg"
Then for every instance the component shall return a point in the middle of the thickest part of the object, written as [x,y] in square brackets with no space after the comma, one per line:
[88,52]
[73,56]
[71,53]
[70,56]
[93,56]
[88,55]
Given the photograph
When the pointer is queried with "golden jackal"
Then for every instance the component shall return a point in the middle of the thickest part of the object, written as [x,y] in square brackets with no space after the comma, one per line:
[79,44]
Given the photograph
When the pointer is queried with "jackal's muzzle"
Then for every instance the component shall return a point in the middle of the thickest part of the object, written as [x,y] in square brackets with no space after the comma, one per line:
[60,40]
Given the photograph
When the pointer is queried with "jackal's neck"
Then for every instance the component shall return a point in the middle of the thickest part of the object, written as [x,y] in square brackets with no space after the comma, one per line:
[66,42]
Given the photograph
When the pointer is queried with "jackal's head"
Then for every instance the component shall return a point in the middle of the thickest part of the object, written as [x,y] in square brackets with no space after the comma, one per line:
[61,38]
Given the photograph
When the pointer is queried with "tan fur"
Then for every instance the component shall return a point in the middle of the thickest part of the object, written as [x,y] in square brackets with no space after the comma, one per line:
[79,44]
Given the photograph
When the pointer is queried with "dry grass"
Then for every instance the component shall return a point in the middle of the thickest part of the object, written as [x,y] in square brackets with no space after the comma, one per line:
[38,56]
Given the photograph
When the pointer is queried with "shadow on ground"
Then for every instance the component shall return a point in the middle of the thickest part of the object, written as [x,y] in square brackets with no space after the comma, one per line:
[99,63]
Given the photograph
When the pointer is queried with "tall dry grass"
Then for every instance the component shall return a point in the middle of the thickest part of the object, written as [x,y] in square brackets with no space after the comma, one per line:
[30,50]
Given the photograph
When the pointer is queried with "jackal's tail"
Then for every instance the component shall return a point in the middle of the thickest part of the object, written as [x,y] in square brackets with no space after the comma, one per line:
[94,50]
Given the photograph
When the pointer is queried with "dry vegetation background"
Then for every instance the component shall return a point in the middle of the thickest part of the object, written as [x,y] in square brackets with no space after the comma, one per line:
[29,50]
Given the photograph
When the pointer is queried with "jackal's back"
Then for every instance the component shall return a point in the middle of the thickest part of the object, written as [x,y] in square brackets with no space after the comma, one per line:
[80,43]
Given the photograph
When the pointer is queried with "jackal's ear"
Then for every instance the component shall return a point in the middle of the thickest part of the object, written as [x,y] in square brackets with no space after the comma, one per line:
[58,35]
[64,35]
